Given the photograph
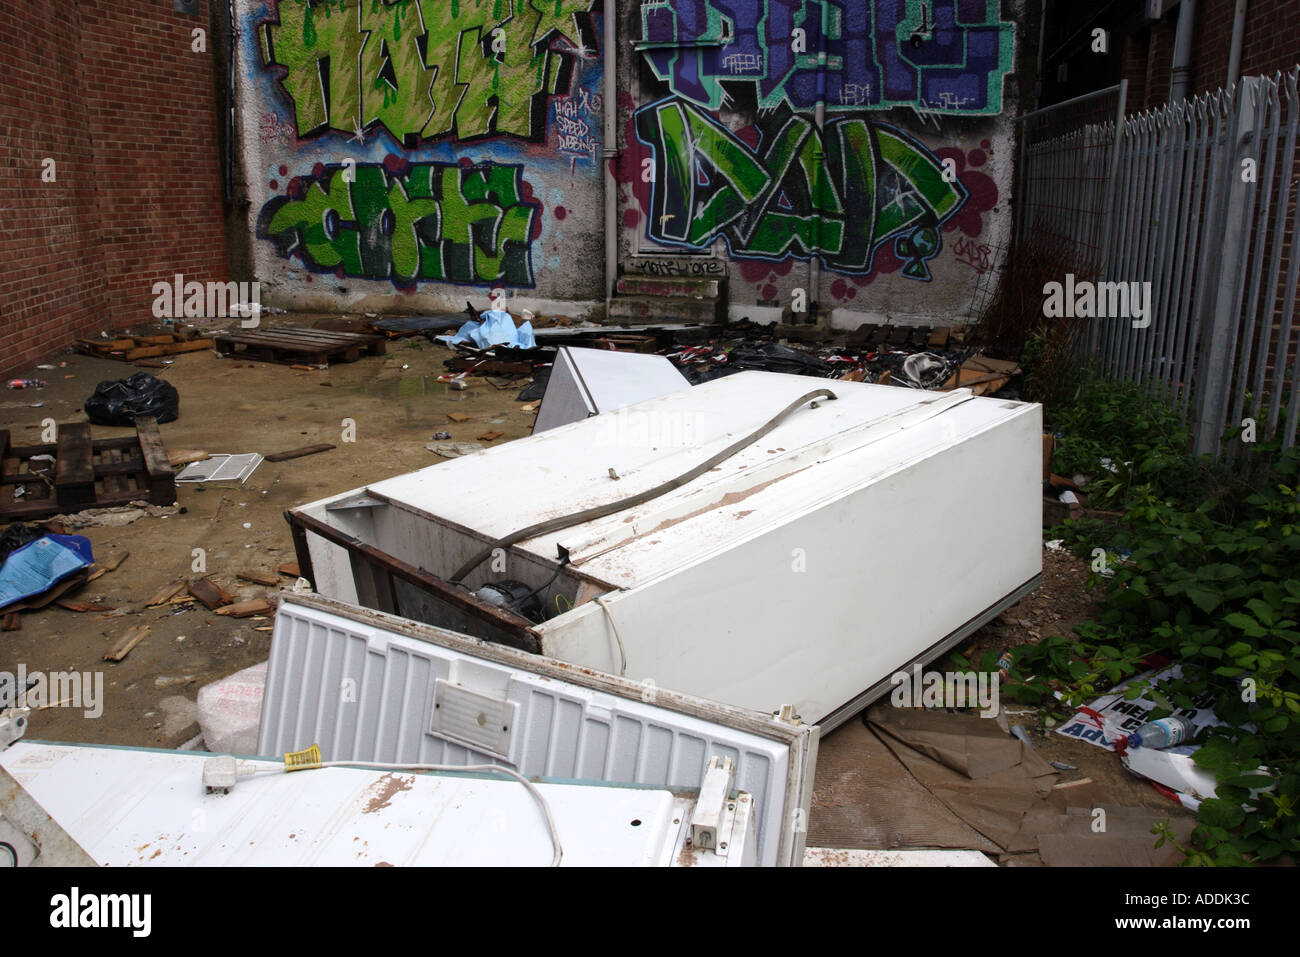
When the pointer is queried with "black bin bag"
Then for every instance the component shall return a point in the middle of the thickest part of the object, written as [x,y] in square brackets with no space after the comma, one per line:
[121,402]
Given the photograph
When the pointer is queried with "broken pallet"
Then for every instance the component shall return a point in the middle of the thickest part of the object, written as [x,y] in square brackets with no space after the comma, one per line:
[131,348]
[292,345]
[85,472]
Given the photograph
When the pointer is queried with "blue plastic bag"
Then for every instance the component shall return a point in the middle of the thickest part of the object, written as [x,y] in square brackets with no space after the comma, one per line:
[38,565]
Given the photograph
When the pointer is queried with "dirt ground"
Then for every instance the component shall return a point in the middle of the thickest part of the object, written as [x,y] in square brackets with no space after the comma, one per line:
[227,405]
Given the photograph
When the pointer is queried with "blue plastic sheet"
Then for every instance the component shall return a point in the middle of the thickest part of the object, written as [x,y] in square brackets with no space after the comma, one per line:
[38,565]
[495,328]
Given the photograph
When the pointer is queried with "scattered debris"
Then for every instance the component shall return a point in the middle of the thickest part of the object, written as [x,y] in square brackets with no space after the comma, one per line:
[131,348]
[134,635]
[78,472]
[179,457]
[451,450]
[246,609]
[165,594]
[290,569]
[83,606]
[210,593]
[117,515]
[222,467]
[230,711]
[458,416]
[12,622]
[491,435]
[298,453]
[259,578]
[37,567]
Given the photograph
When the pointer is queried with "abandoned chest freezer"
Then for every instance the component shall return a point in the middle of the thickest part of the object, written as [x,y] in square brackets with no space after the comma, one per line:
[619,775]
[869,528]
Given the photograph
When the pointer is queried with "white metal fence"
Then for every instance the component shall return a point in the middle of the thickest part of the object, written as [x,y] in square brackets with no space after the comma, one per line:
[1197,199]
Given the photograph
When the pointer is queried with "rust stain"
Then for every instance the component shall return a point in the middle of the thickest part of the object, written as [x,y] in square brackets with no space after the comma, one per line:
[155,854]
[382,864]
[386,788]
[688,856]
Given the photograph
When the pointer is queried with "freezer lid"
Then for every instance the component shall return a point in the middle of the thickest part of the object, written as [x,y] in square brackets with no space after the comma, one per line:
[147,807]
[367,686]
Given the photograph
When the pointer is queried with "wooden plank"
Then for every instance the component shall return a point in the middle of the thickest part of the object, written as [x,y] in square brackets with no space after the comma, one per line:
[259,578]
[134,635]
[12,621]
[165,594]
[110,470]
[244,609]
[74,476]
[210,593]
[290,569]
[297,453]
[161,480]
[177,457]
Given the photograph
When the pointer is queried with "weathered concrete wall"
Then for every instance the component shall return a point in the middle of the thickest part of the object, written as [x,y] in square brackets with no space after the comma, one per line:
[405,155]
[895,209]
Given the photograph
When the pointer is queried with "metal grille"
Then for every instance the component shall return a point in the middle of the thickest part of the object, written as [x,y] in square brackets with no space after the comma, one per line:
[1198,199]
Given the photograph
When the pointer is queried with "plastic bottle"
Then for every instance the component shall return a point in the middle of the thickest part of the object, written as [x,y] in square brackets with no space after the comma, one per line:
[1163,733]
[26,383]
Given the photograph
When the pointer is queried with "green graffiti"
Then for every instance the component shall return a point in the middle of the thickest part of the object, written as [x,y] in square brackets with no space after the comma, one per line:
[436,222]
[425,69]
[837,194]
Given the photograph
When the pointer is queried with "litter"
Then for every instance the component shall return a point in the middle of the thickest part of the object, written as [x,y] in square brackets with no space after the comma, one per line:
[1112,717]
[230,710]
[35,567]
[495,327]
[221,468]
[451,450]
[123,401]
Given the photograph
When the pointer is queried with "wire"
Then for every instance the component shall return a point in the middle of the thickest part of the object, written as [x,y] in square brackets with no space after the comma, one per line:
[486,768]
[600,511]
[622,651]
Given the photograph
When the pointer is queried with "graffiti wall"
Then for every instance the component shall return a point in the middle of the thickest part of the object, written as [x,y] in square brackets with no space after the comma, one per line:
[858,150]
[396,152]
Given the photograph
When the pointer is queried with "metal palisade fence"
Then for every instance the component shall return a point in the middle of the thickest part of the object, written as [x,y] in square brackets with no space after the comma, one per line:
[1190,212]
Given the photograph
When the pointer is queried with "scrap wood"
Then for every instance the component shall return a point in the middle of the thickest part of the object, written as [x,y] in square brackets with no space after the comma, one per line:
[290,569]
[210,593]
[245,609]
[165,594]
[99,569]
[83,606]
[12,621]
[491,436]
[178,457]
[259,578]
[458,416]
[134,635]
[298,453]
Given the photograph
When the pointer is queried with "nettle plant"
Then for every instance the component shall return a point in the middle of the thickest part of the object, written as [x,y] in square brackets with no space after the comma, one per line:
[1214,586]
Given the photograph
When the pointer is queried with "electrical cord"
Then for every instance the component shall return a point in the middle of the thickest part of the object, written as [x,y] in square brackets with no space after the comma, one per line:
[557,851]
[600,511]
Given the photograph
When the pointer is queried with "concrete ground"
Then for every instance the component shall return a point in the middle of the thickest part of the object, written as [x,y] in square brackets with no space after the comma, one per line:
[227,405]
[396,405]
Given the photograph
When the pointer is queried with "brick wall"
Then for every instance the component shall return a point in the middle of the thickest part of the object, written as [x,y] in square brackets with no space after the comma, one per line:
[115,96]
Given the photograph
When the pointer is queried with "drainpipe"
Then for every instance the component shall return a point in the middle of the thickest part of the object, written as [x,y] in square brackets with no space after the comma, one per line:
[1180,81]
[1238,37]
[609,152]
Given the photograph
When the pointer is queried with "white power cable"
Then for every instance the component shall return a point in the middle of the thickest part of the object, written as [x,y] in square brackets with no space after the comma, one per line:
[486,768]
[618,636]
[558,851]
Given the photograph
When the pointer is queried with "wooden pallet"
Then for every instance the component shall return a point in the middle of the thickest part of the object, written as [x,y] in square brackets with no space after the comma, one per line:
[131,348]
[85,473]
[294,345]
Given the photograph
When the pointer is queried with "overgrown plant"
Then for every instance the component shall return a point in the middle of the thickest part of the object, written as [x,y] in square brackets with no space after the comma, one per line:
[1206,572]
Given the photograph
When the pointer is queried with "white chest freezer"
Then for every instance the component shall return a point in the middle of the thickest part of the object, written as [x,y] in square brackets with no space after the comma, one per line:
[856,537]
